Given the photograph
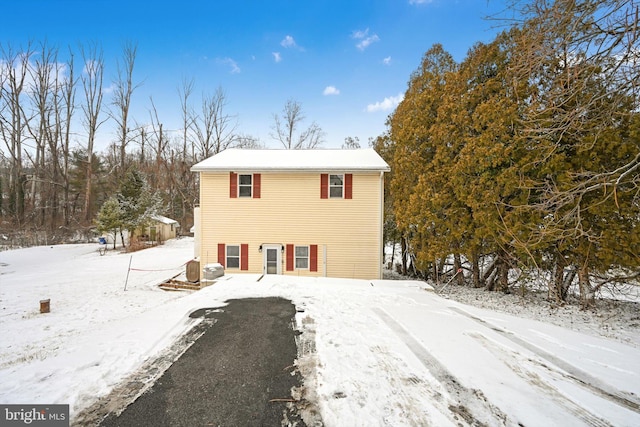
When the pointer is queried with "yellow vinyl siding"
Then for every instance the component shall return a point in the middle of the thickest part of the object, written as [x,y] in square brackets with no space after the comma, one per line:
[290,211]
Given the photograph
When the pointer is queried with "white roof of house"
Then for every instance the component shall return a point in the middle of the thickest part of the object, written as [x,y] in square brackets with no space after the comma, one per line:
[164,219]
[236,159]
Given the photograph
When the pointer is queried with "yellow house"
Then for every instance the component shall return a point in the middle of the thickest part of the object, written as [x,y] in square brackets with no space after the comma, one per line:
[294,212]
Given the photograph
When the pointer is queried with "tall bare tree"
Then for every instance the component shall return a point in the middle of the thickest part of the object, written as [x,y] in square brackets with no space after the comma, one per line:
[64,109]
[184,92]
[92,81]
[121,102]
[14,70]
[161,141]
[214,129]
[42,129]
[285,129]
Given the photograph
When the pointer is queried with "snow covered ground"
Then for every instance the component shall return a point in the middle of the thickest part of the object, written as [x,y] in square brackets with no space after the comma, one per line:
[372,353]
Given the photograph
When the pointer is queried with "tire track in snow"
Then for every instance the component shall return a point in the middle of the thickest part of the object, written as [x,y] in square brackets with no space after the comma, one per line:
[510,359]
[470,404]
[578,375]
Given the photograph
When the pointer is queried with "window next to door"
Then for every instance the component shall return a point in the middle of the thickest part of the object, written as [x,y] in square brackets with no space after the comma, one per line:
[301,257]
[234,256]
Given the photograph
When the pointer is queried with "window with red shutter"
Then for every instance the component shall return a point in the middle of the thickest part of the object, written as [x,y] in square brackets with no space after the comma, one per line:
[256,185]
[348,185]
[313,258]
[289,266]
[221,254]
[324,186]
[233,185]
[244,256]
[232,258]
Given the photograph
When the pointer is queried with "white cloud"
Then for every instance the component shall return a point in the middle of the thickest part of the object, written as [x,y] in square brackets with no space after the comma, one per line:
[360,34]
[276,56]
[231,63]
[387,60]
[288,41]
[387,104]
[366,42]
[331,90]
[420,1]
[365,39]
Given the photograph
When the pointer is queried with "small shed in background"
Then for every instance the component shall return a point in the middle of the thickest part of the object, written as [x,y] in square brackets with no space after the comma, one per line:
[161,229]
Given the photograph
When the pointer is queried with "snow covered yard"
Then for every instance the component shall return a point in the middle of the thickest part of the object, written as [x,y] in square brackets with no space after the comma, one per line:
[372,353]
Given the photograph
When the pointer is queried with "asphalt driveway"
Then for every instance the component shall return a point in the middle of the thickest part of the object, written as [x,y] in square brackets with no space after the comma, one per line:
[238,373]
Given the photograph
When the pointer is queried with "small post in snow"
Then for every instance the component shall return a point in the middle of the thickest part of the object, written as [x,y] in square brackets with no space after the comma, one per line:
[128,270]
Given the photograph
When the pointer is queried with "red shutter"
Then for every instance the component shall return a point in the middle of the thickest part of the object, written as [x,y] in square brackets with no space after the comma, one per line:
[324,186]
[244,256]
[221,253]
[348,185]
[233,185]
[256,185]
[289,257]
[313,257]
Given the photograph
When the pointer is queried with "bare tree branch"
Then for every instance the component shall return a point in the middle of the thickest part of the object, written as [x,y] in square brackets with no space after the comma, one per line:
[284,129]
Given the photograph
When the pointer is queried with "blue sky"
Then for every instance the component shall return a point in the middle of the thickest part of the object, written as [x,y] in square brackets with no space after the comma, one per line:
[346,62]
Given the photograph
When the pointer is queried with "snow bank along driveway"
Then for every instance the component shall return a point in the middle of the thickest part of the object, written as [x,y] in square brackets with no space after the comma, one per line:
[372,353]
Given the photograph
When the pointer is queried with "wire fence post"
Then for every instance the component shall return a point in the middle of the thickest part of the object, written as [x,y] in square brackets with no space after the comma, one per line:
[128,270]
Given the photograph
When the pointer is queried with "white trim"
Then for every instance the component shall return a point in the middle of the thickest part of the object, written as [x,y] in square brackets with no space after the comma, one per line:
[329,186]
[324,260]
[295,257]
[250,196]
[226,256]
[278,249]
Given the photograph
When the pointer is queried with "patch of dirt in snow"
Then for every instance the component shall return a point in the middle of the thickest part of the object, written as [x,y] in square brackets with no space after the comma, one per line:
[305,396]
[619,320]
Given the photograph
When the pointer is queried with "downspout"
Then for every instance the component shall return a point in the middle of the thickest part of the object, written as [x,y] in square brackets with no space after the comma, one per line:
[381,231]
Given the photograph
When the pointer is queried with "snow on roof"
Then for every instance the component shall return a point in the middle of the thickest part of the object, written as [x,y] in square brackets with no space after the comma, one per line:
[236,159]
[164,219]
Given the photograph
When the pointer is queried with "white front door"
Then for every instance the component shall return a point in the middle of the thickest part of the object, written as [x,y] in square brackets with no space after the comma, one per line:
[272,259]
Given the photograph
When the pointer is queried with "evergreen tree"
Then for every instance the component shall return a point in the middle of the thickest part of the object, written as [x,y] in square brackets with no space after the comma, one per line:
[138,203]
[110,218]
[415,150]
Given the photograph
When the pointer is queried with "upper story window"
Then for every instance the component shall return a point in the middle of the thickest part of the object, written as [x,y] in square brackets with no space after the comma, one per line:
[245,185]
[336,186]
